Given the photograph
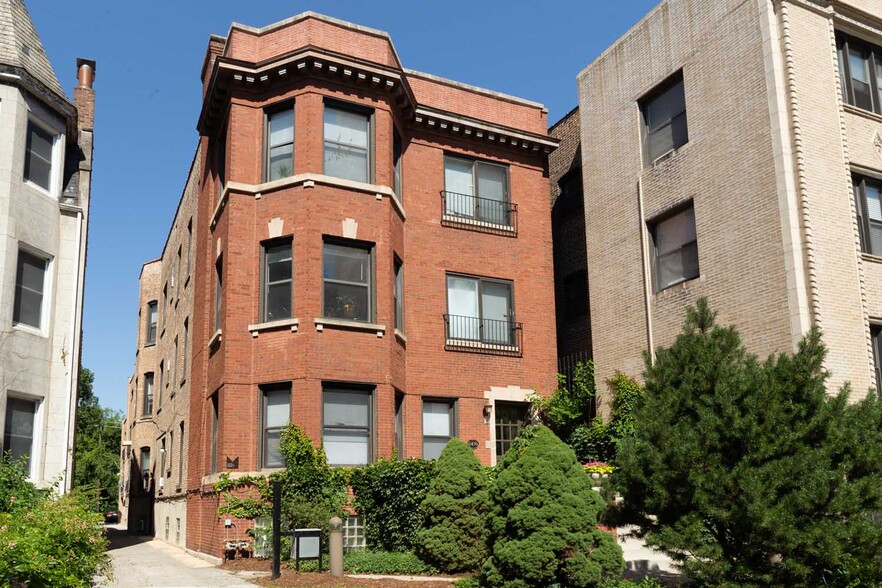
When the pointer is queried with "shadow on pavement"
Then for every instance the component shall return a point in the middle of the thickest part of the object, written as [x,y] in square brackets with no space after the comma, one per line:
[120,538]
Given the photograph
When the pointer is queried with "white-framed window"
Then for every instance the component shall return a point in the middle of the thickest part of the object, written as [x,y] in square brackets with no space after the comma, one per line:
[346,426]
[31,289]
[20,431]
[439,426]
[42,146]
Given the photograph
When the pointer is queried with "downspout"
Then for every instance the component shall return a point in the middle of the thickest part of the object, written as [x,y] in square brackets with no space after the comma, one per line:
[73,372]
[647,274]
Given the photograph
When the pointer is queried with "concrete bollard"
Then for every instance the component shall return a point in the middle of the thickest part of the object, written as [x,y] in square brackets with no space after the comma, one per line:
[335,547]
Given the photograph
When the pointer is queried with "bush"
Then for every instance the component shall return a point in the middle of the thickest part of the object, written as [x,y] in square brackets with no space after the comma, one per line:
[621,583]
[452,534]
[364,561]
[56,543]
[388,496]
[15,490]
[748,472]
[542,521]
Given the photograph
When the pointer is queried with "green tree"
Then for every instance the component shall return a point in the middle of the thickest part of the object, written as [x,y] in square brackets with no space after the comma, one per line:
[452,534]
[96,445]
[543,518]
[748,473]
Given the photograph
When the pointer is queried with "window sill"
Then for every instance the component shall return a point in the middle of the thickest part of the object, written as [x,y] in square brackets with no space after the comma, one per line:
[871,257]
[861,112]
[40,189]
[212,479]
[481,347]
[465,222]
[293,323]
[216,338]
[29,329]
[145,419]
[150,344]
[320,323]
[400,336]
[677,286]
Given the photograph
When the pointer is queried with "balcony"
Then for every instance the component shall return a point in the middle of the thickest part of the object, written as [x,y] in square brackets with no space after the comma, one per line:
[479,335]
[479,214]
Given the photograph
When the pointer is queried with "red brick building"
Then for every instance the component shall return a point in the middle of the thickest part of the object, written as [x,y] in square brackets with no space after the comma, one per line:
[373,257]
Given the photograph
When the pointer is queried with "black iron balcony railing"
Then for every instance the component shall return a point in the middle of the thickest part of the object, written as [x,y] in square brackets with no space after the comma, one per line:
[480,214]
[467,333]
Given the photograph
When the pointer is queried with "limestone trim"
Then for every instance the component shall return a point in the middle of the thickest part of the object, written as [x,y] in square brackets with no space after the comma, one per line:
[320,323]
[255,329]
[854,109]
[788,205]
[799,157]
[212,479]
[307,180]
[504,394]
[215,338]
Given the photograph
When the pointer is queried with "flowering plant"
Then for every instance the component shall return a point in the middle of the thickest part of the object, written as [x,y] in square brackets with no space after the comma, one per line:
[598,467]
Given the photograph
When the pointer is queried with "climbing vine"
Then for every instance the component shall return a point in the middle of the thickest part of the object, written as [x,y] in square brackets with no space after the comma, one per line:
[249,506]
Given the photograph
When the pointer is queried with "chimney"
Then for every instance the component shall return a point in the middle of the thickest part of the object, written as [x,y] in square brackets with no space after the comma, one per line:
[84,95]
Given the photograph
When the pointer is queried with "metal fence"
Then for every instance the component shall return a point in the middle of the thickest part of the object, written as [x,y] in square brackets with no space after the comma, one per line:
[467,333]
[566,367]
[480,213]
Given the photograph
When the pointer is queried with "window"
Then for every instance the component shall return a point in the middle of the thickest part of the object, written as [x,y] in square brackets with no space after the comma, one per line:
[174,365]
[184,349]
[346,430]
[511,418]
[397,152]
[178,530]
[189,246]
[860,71]
[279,148]
[347,143]
[218,294]
[664,119]
[212,468]
[38,156]
[570,199]
[145,468]
[480,309]
[876,335]
[162,459]
[181,454]
[164,308]
[438,426]
[399,424]
[675,249]
[353,533]
[576,294]
[347,282]
[868,203]
[148,394]
[30,283]
[476,190]
[276,281]
[398,294]
[162,382]
[220,156]
[275,414]
[171,454]
[179,267]
[151,322]
[18,433]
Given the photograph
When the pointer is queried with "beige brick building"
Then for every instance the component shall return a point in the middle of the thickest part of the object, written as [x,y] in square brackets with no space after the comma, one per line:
[733,149]
[155,431]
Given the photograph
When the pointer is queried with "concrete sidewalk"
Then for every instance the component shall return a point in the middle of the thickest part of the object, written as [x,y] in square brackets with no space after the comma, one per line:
[144,562]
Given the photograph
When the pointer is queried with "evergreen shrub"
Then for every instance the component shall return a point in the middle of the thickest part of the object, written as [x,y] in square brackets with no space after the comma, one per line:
[542,520]
[452,534]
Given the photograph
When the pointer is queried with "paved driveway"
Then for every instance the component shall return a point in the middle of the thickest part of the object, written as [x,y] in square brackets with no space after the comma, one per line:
[138,561]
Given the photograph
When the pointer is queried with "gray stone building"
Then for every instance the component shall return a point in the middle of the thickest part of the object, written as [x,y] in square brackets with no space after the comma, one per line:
[45,179]
[733,150]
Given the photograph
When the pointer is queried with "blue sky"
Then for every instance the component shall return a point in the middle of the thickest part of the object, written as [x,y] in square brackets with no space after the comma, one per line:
[148,92]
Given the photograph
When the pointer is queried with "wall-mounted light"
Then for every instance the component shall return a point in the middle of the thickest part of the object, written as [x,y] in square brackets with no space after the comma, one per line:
[488,410]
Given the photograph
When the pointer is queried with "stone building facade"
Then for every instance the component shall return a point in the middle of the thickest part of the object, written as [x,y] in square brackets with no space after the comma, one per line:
[155,432]
[372,261]
[45,182]
[733,150]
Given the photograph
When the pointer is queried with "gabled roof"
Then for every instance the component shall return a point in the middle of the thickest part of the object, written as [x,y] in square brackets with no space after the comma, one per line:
[22,50]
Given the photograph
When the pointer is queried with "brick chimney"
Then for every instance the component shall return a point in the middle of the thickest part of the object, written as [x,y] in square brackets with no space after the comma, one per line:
[84,95]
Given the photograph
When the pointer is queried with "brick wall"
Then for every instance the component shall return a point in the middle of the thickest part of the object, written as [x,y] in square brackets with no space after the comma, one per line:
[413,362]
